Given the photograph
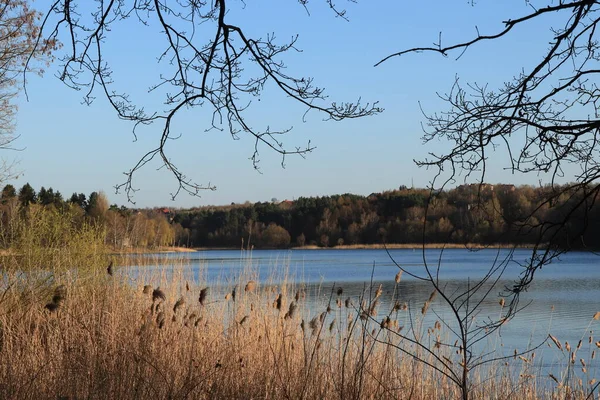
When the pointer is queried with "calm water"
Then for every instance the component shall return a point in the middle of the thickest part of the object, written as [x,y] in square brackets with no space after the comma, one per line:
[562,299]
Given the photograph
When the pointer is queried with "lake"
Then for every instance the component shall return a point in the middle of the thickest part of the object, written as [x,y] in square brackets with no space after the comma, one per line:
[562,300]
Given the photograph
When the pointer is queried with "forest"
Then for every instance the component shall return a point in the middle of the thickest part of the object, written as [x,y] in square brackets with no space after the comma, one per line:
[467,214]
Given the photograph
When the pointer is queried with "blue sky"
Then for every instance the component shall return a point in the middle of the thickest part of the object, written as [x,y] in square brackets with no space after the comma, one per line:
[72,147]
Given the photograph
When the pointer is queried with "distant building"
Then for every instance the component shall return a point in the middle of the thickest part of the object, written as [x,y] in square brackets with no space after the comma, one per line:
[286,204]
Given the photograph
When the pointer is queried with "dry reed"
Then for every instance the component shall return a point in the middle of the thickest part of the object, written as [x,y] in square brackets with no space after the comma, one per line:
[111,340]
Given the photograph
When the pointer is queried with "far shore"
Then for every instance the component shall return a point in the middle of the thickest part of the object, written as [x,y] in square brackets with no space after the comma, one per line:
[417,246]
[176,249]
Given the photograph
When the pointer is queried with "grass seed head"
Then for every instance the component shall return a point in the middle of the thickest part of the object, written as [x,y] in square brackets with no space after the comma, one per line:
[556,342]
[425,308]
[291,310]
[250,286]
[203,296]
[57,299]
[158,295]
[379,291]
[278,301]
[398,277]
[373,308]
[178,304]
[385,323]
[322,317]
[432,296]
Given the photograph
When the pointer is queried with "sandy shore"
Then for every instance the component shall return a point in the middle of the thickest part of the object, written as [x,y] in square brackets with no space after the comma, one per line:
[162,249]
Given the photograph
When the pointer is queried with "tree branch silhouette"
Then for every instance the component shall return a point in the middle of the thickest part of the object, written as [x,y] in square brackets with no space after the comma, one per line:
[224,73]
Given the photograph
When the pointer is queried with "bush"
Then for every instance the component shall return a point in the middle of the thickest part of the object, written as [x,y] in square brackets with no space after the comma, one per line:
[276,236]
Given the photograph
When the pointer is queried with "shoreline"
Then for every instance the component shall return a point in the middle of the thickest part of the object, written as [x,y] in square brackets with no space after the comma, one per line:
[415,246]
[409,246]
[161,249]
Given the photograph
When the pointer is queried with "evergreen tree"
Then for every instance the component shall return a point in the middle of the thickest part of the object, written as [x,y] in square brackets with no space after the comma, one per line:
[9,192]
[44,196]
[79,199]
[91,204]
[27,195]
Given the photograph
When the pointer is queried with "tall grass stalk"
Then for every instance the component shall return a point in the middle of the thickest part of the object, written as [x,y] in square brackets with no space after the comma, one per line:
[109,339]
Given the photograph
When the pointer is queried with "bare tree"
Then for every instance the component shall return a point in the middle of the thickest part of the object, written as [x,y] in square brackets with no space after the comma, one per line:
[457,354]
[207,62]
[19,30]
[546,119]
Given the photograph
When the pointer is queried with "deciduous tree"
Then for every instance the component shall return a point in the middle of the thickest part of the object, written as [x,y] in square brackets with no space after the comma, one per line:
[20,45]
[206,60]
[544,120]
[275,236]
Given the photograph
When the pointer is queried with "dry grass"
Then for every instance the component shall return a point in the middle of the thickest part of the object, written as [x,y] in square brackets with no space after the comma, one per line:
[112,337]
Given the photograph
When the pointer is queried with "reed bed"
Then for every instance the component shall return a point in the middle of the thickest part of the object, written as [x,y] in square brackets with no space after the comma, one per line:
[97,335]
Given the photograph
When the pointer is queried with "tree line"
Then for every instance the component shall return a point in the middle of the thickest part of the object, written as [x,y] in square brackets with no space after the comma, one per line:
[474,214]
[477,214]
[124,228]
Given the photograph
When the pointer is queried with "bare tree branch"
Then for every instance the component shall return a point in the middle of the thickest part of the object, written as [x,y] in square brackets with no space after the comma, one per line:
[223,74]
